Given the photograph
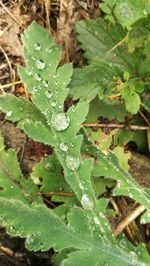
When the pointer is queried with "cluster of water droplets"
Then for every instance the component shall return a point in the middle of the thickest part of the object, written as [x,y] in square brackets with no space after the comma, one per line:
[33,241]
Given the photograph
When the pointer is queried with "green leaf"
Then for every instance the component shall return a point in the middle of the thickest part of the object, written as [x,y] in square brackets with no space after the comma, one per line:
[97,38]
[37,131]
[77,234]
[17,109]
[92,80]
[12,183]
[132,101]
[126,12]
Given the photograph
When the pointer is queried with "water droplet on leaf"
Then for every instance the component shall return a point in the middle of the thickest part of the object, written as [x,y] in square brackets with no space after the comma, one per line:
[81,186]
[34,90]
[40,64]
[37,46]
[48,94]
[96,220]
[8,113]
[60,121]
[54,103]
[63,146]
[37,77]
[86,202]
[145,12]
[72,162]
[45,83]
[48,166]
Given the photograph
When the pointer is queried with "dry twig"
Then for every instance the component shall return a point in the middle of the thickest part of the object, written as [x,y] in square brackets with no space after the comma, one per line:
[128,219]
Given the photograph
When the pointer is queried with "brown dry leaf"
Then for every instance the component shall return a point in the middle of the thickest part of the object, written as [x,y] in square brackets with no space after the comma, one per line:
[69,13]
[10,29]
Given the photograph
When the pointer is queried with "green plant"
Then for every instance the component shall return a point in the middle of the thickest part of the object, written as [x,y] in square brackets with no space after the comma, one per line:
[84,237]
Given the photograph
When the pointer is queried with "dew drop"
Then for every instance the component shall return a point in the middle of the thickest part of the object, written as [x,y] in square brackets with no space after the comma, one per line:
[29,72]
[81,186]
[34,90]
[37,46]
[45,83]
[63,146]
[48,94]
[40,64]
[37,77]
[96,220]
[48,50]
[86,202]
[54,103]
[145,12]
[118,183]
[48,166]
[8,113]
[60,121]
[11,230]
[2,220]
[72,162]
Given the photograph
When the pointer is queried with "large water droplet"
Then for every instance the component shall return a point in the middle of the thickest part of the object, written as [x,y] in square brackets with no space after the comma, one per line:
[48,94]
[40,64]
[37,77]
[37,46]
[63,146]
[45,83]
[60,121]
[72,162]
[53,103]
[86,202]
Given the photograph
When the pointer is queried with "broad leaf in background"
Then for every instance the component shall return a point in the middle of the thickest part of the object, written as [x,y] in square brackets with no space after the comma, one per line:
[126,12]
[97,38]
